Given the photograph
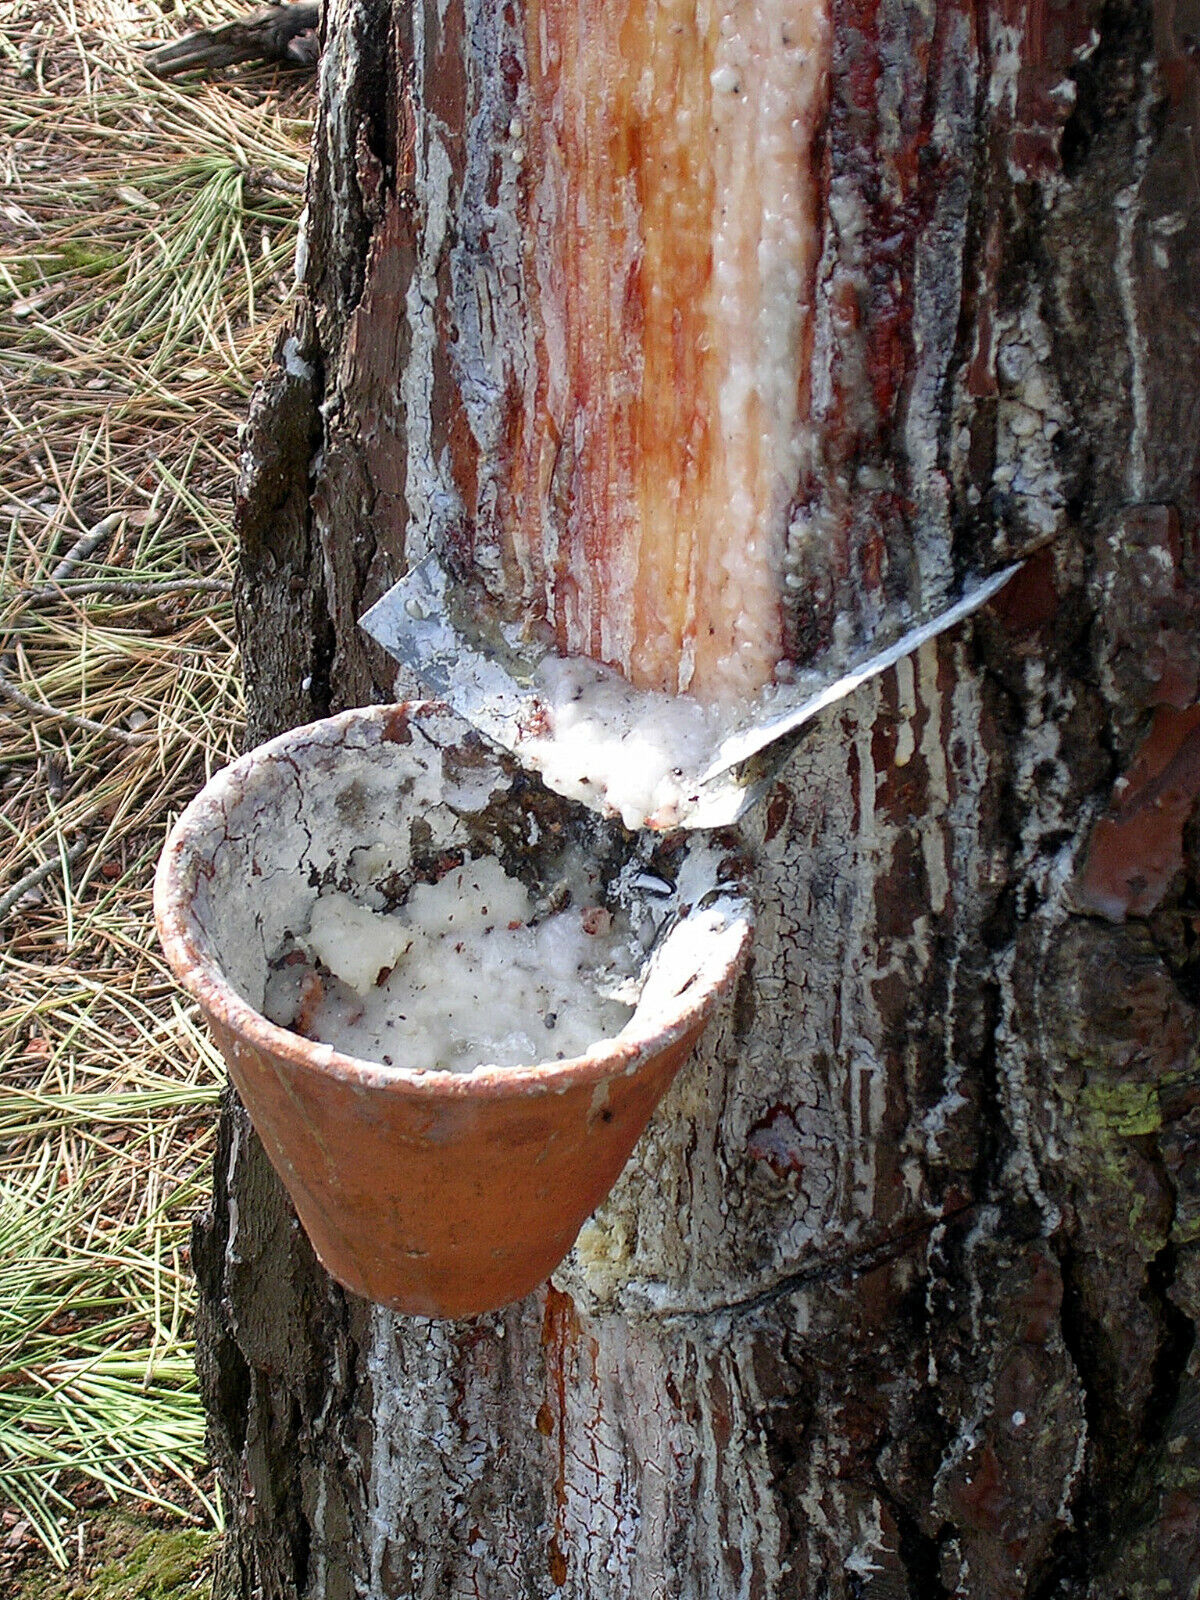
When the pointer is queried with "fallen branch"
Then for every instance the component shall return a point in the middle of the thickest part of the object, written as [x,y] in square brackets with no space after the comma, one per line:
[83,724]
[122,589]
[83,548]
[284,34]
[11,897]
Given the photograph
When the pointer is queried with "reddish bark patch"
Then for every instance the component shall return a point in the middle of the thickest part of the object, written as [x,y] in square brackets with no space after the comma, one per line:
[446,83]
[979,1493]
[777,1140]
[1029,600]
[1181,1517]
[1137,849]
[1052,33]
[1038,1310]
[396,729]
[981,381]
[1152,611]
[779,811]
[560,1340]
[558,1564]
[374,355]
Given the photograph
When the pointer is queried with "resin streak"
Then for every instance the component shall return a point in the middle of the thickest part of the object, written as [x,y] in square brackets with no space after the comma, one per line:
[674,209]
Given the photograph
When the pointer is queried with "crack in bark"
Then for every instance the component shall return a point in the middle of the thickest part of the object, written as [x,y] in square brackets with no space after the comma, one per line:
[854,1265]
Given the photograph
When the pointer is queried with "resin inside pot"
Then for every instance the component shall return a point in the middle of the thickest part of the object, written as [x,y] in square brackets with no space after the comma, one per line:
[471,971]
[417,902]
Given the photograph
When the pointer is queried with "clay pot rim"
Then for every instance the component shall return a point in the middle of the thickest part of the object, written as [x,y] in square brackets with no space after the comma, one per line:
[196,969]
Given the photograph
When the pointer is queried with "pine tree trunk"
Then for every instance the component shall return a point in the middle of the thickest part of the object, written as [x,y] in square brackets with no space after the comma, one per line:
[898,1294]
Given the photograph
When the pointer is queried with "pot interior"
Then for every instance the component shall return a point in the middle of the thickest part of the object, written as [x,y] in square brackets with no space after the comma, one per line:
[373,803]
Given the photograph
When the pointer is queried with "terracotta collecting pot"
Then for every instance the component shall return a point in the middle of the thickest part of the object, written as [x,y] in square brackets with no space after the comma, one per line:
[437,1193]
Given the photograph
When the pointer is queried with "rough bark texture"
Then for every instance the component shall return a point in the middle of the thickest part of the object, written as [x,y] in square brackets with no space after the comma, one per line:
[898,1295]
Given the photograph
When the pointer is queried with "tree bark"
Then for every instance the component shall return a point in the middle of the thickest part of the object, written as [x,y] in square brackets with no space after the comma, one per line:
[898,1294]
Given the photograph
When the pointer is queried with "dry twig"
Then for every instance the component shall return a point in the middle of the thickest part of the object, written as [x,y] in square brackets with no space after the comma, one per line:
[53,714]
[123,589]
[39,874]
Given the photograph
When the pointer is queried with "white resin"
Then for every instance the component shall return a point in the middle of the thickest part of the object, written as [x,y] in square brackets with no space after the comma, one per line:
[464,975]
[353,941]
[633,753]
[768,98]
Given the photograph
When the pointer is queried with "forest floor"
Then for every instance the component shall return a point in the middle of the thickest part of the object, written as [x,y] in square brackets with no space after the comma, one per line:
[147,231]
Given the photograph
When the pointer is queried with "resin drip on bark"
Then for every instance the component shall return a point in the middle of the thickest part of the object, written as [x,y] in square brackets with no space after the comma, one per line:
[670,152]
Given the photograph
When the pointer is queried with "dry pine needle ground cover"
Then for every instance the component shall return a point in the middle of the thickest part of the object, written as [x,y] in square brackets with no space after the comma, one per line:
[146,237]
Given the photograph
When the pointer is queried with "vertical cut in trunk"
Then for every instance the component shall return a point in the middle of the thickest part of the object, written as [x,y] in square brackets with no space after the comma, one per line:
[673,194]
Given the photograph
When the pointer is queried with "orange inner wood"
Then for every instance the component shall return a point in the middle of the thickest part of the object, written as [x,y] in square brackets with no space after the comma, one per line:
[673,239]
